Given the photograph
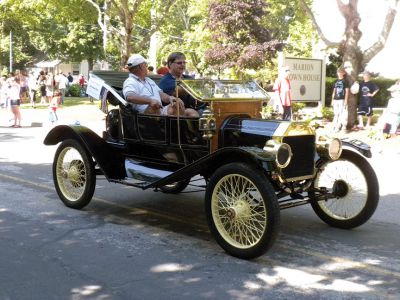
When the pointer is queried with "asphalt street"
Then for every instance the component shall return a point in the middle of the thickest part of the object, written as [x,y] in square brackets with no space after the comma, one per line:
[134,244]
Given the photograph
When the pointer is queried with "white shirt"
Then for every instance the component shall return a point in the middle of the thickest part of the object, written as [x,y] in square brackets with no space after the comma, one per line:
[13,92]
[147,88]
[62,83]
[32,82]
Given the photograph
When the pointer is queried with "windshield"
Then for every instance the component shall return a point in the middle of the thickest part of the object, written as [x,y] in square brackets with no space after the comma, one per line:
[207,89]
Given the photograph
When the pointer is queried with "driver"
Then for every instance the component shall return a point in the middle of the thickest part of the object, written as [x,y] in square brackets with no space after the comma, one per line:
[177,64]
[144,93]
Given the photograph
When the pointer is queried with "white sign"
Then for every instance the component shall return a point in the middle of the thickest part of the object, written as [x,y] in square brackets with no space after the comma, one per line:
[94,87]
[305,78]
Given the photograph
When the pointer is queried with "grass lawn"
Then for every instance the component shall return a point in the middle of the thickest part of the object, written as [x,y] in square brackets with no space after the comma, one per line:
[68,101]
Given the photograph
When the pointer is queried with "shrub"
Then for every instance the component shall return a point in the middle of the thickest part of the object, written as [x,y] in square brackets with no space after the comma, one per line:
[74,90]
[327,113]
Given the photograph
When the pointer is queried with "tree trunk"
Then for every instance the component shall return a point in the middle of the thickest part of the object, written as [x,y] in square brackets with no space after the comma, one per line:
[90,63]
[354,59]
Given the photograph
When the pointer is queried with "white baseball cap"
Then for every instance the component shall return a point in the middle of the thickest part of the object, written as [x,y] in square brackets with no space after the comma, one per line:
[134,60]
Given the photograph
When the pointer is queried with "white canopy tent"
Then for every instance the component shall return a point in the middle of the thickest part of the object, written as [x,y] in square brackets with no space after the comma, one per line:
[48,63]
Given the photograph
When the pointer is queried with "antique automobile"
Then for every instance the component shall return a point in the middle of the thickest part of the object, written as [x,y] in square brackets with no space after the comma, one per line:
[251,167]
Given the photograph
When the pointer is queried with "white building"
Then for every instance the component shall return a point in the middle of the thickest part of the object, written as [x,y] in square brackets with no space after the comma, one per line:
[75,68]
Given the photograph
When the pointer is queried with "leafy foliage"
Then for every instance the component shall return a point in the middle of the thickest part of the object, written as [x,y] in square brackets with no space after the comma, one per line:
[239,38]
[51,29]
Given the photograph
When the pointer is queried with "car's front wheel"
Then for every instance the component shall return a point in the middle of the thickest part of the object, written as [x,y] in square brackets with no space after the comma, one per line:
[73,174]
[353,188]
[242,210]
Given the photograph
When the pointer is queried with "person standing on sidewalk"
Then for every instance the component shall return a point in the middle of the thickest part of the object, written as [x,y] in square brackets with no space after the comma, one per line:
[368,90]
[283,93]
[15,101]
[340,97]
[62,85]
[53,106]
[32,86]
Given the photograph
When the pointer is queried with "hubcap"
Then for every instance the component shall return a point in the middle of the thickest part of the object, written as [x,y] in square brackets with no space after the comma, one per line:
[239,211]
[71,174]
[340,188]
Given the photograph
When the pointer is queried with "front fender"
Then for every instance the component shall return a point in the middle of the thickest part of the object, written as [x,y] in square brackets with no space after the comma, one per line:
[109,159]
[357,145]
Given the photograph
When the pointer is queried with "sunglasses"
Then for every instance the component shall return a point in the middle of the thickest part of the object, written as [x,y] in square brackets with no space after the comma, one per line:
[180,62]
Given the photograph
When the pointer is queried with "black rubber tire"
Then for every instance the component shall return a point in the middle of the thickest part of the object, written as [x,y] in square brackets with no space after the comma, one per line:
[265,207]
[74,180]
[366,210]
[176,187]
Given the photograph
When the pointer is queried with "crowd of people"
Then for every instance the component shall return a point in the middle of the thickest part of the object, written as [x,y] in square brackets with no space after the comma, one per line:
[20,87]
[365,92]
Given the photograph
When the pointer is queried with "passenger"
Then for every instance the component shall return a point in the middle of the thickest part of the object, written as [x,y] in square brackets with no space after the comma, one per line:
[144,93]
[177,66]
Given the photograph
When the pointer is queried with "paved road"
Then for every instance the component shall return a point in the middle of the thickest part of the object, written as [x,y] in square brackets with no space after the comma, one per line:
[133,244]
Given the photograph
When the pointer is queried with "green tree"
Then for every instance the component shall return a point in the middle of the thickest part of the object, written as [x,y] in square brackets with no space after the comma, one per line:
[186,32]
[22,50]
[130,24]
[52,29]
[240,41]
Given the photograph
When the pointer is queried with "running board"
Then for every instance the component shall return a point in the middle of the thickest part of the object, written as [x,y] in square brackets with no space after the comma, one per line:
[137,171]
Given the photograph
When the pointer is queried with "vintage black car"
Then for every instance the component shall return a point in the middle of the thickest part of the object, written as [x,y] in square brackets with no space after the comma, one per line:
[252,167]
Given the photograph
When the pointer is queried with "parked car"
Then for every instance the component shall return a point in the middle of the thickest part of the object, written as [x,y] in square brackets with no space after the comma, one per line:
[252,167]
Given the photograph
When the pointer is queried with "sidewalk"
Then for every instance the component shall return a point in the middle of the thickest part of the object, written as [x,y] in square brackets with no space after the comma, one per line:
[87,115]
[372,136]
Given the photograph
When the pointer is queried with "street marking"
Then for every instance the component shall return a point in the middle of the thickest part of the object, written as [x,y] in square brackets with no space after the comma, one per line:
[282,244]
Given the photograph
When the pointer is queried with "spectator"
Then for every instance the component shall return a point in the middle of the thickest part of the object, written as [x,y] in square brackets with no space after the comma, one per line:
[151,70]
[367,91]
[53,106]
[3,91]
[49,86]
[391,115]
[340,97]
[32,85]
[15,101]
[62,85]
[283,94]
[23,83]
[163,69]
[70,78]
[42,84]
[81,80]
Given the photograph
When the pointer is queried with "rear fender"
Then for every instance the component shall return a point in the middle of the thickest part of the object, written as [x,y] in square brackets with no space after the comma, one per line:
[109,159]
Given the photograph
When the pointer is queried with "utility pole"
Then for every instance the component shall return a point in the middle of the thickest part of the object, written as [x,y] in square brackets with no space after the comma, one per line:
[11,58]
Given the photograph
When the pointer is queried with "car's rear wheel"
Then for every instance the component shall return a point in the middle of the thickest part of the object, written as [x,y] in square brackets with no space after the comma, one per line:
[176,187]
[73,174]
[355,189]
[242,210]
